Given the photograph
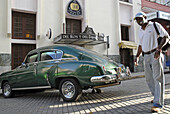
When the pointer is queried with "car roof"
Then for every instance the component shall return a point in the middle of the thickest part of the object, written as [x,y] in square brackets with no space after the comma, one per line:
[71,49]
[55,46]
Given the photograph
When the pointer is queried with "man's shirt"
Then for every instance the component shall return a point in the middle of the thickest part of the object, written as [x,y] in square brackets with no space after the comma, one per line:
[148,37]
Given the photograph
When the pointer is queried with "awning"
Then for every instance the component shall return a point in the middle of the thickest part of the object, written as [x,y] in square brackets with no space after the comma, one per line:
[127,44]
[78,39]
[88,37]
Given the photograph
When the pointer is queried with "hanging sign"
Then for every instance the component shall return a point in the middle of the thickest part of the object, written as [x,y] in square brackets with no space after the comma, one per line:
[163,15]
[151,16]
[159,14]
[74,8]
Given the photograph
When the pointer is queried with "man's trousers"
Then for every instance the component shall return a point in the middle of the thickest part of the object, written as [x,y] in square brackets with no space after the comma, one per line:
[155,79]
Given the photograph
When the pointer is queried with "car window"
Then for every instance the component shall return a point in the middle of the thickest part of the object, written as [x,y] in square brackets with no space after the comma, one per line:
[48,55]
[59,54]
[32,58]
[67,55]
[86,58]
[51,54]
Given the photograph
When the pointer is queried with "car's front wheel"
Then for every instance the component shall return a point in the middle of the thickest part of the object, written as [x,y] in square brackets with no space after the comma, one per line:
[70,89]
[7,90]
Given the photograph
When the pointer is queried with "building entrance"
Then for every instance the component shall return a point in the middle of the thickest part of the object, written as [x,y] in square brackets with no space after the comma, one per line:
[127,58]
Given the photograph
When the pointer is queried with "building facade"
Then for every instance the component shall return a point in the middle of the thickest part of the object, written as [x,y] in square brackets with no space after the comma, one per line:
[29,24]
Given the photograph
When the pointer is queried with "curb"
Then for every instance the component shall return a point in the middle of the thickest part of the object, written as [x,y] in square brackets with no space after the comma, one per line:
[132,77]
[139,76]
[166,72]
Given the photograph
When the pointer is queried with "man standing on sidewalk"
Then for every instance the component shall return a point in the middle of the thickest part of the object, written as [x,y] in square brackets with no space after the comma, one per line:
[153,58]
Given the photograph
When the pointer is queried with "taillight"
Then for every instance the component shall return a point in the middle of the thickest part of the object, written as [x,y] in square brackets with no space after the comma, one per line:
[104,68]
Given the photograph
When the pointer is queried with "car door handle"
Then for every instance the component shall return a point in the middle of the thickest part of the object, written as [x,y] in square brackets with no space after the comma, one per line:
[57,61]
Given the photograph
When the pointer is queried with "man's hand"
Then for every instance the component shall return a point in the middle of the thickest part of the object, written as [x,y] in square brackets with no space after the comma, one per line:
[136,61]
[157,54]
[138,54]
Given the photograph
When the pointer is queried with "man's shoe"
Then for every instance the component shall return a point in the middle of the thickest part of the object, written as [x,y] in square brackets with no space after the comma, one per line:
[155,109]
[151,101]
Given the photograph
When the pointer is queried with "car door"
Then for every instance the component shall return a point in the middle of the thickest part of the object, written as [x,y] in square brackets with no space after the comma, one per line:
[46,61]
[48,58]
[26,73]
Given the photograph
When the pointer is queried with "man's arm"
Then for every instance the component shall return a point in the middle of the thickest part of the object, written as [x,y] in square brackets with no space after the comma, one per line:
[138,54]
[163,42]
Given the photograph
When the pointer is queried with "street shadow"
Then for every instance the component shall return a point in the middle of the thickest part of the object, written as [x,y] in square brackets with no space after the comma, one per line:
[108,101]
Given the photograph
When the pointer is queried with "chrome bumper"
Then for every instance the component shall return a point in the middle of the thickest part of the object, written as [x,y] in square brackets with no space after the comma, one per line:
[103,78]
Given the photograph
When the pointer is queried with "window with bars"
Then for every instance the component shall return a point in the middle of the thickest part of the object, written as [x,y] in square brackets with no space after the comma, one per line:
[125,33]
[73,26]
[19,51]
[23,25]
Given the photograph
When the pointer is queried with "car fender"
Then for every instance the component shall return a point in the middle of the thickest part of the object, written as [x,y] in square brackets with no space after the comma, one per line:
[7,77]
[80,70]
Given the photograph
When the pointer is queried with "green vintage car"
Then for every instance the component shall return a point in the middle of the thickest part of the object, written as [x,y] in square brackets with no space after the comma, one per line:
[67,68]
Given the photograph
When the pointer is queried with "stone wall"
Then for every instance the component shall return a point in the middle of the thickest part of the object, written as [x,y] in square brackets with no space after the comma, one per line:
[115,58]
[5,62]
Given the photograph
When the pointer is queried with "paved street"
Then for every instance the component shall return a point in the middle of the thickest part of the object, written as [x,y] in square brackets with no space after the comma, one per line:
[132,96]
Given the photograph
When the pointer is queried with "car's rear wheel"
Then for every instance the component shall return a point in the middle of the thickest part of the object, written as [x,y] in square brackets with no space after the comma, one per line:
[7,90]
[70,89]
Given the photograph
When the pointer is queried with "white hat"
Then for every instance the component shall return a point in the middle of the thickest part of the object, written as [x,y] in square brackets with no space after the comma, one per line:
[140,14]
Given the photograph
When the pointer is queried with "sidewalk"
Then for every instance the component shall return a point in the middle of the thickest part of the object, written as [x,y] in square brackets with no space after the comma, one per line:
[166,71]
[141,75]
[134,75]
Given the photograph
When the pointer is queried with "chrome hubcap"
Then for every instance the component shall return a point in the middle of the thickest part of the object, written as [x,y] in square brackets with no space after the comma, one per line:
[7,90]
[68,89]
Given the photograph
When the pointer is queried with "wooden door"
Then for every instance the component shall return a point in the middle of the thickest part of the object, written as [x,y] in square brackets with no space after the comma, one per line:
[19,51]
[127,58]
[73,26]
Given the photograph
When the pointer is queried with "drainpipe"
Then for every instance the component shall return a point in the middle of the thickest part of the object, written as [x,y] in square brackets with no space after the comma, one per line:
[108,45]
